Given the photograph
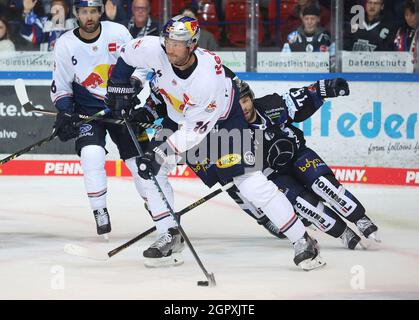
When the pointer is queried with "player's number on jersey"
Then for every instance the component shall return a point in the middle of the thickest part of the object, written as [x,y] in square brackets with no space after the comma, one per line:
[53,87]
[299,97]
[201,127]
[73,60]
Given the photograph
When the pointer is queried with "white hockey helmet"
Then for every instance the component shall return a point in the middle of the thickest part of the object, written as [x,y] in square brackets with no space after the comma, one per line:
[181,28]
[87,3]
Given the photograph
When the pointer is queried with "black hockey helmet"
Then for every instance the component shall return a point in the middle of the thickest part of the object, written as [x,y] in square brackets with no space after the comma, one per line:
[245,89]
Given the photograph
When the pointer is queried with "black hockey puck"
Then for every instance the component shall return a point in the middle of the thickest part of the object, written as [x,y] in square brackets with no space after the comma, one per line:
[203,283]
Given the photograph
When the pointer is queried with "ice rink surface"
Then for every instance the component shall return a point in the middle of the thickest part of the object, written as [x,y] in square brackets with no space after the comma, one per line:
[40,215]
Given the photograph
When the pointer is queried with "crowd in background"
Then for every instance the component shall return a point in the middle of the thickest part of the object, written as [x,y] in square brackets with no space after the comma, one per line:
[287,25]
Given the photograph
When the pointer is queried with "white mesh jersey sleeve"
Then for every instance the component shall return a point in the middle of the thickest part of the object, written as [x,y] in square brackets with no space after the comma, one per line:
[61,77]
[142,53]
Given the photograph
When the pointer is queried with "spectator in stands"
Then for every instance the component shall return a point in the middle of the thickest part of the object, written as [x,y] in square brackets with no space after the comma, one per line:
[141,23]
[309,37]
[5,43]
[206,39]
[374,34]
[407,33]
[45,31]
[293,20]
[115,11]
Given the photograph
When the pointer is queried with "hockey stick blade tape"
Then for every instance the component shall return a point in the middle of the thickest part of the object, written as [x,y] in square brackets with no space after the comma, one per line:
[21,91]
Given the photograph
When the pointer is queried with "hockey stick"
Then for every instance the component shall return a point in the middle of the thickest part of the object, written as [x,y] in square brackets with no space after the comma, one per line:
[210,276]
[52,136]
[22,95]
[80,251]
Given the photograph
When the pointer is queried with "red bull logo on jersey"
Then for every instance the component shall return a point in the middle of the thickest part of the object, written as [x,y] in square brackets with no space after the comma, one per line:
[137,44]
[177,104]
[99,77]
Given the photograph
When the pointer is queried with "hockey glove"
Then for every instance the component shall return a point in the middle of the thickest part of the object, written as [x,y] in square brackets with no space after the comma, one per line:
[331,88]
[143,114]
[154,157]
[120,97]
[66,125]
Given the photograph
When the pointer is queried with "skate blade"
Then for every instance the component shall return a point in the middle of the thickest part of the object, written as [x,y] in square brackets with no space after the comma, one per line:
[175,259]
[311,264]
[106,237]
[79,251]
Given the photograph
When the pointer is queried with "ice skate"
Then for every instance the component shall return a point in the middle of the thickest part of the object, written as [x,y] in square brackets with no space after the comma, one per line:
[103,222]
[370,232]
[350,239]
[166,251]
[307,255]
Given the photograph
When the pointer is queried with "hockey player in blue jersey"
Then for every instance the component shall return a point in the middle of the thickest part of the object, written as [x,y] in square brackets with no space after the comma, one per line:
[286,153]
[299,171]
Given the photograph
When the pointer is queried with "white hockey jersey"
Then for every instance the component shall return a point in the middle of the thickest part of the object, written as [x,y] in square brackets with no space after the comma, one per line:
[197,102]
[86,64]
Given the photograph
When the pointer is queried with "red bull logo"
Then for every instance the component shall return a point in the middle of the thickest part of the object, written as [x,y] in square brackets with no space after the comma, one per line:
[99,77]
[177,104]
[192,26]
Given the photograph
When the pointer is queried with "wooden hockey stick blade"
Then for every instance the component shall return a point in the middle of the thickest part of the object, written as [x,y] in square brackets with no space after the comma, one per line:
[79,251]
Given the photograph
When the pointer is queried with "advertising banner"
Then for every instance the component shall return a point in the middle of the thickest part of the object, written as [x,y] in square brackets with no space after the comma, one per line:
[370,136]
[19,129]
[375,126]
[26,61]
[289,62]
[402,62]
[117,168]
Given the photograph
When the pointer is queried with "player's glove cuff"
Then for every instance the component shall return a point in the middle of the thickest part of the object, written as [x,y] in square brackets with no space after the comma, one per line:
[331,88]
[156,155]
[119,97]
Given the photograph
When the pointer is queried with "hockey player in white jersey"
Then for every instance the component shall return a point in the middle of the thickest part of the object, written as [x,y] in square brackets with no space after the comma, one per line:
[201,101]
[84,58]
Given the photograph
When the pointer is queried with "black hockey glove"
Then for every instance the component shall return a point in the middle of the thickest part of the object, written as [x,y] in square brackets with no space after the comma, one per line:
[66,125]
[154,157]
[143,114]
[331,88]
[119,97]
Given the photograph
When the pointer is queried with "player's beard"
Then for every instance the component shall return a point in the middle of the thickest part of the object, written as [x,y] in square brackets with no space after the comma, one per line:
[249,114]
[90,26]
